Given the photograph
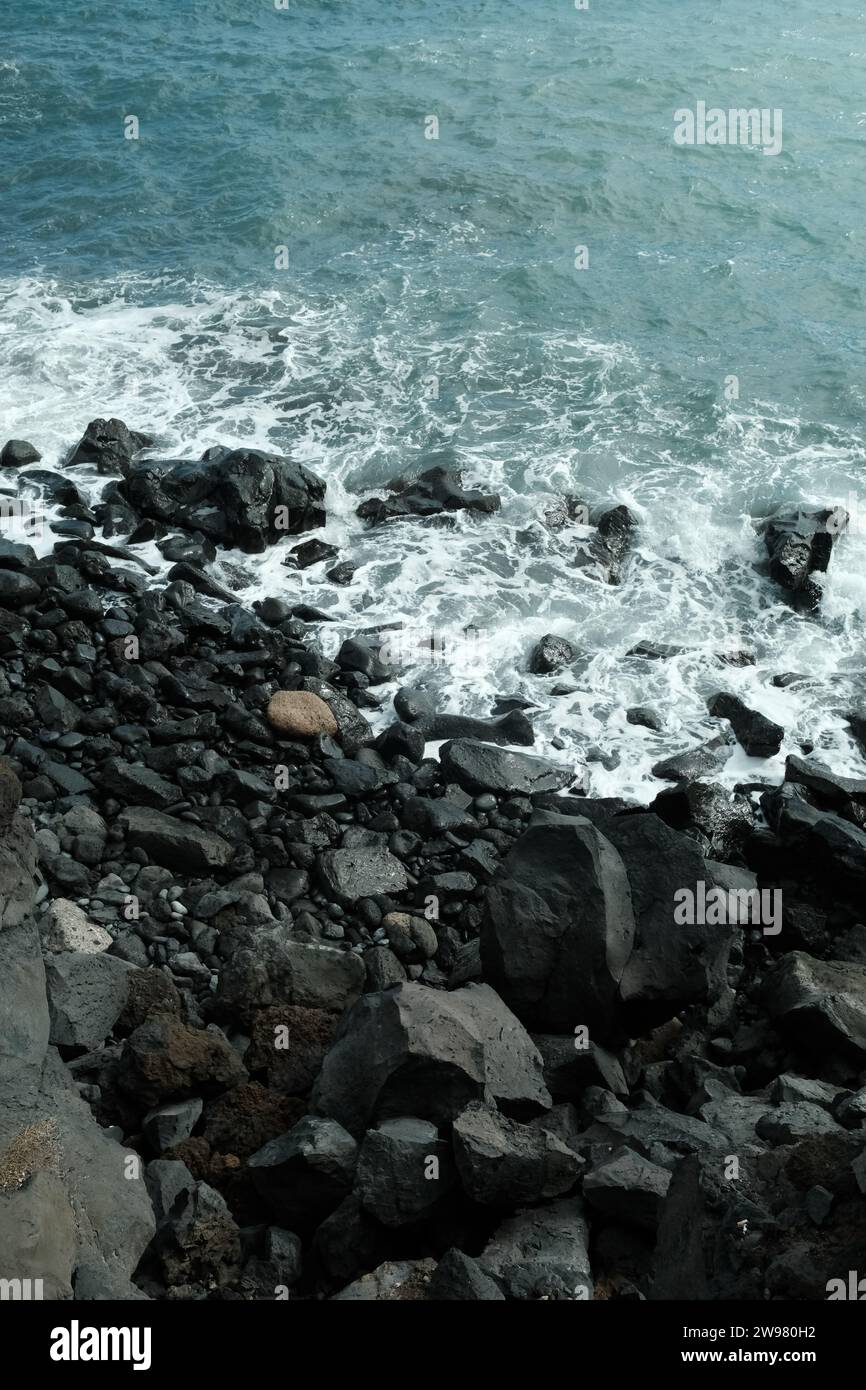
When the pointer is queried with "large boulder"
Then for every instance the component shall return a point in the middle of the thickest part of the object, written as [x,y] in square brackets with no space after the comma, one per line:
[416,1051]
[799,544]
[175,844]
[759,736]
[559,927]
[542,1252]
[245,498]
[109,445]
[404,1168]
[305,1174]
[87,993]
[503,1163]
[821,1005]
[481,767]
[270,970]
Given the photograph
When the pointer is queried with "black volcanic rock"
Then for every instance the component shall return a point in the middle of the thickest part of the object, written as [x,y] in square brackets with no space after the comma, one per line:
[109,444]
[436,490]
[799,544]
[482,767]
[758,735]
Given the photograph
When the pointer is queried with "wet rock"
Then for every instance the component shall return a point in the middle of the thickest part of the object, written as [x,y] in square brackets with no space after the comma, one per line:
[799,544]
[109,445]
[759,736]
[16,453]
[436,490]
[558,927]
[551,654]
[645,716]
[693,764]
[481,767]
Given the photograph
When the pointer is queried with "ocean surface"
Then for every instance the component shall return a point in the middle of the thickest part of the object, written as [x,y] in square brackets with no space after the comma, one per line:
[283,259]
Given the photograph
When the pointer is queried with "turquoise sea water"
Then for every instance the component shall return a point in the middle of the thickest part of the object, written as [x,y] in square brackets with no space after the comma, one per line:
[427,305]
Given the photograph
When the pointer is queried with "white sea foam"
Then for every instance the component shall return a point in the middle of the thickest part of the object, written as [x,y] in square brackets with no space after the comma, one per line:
[196,366]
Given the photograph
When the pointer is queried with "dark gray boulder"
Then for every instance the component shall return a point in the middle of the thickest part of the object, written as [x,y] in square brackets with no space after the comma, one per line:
[87,993]
[558,927]
[821,1005]
[481,767]
[176,844]
[460,1278]
[304,1174]
[503,1163]
[108,444]
[759,736]
[18,452]
[542,1252]
[551,654]
[417,1051]
[799,544]
[629,1188]
[436,490]
[361,872]
[404,1169]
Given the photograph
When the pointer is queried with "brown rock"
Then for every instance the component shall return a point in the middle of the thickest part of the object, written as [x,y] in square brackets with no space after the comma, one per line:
[245,1118]
[10,793]
[164,1060]
[291,1069]
[300,714]
[150,992]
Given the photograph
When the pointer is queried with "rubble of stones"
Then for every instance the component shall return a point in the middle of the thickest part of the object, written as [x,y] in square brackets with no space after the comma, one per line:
[290,1010]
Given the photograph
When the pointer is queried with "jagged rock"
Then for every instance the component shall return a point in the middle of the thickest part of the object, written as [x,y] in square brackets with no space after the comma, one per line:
[176,844]
[672,963]
[628,1188]
[169,1124]
[799,544]
[361,872]
[350,1241]
[404,1168]
[305,1174]
[480,767]
[503,1163]
[436,490]
[551,654]
[65,927]
[246,499]
[558,927]
[458,1276]
[759,736]
[395,1281]
[163,1060]
[108,444]
[820,1004]
[86,995]
[413,1050]
[136,783]
[569,1069]
[694,763]
[542,1253]
[199,1242]
[272,971]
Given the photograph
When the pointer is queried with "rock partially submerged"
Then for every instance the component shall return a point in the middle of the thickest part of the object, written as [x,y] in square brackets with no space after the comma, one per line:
[799,544]
[436,490]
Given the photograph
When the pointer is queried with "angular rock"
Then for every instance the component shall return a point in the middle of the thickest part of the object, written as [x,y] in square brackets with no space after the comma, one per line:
[459,1277]
[551,654]
[481,767]
[305,1174]
[759,736]
[820,1004]
[108,444]
[176,844]
[542,1252]
[361,872]
[413,1050]
[629,1188]
[558,927]
[169,1124]
[404,1168]
[86,996]
[436,490]
[271,971]
[163,1060]
[65,927]
[503,1163]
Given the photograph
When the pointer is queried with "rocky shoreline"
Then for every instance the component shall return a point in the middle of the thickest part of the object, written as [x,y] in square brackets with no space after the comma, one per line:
[290,1009]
